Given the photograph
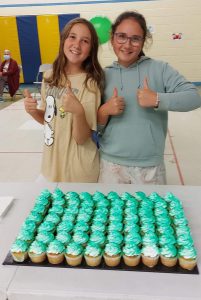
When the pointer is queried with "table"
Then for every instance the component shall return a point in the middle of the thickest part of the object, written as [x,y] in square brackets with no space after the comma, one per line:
[41,283]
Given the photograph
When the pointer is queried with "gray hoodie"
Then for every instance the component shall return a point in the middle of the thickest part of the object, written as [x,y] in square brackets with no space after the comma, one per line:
[137,136]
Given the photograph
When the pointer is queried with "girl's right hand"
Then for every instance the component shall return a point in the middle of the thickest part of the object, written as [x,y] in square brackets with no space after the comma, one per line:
[30,103]
[115,105]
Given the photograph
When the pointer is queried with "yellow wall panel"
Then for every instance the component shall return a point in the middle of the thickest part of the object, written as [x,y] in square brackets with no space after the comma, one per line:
[48,35]
[9,39]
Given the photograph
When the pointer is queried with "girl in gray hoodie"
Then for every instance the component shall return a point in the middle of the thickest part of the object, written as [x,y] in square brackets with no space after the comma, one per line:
[133,118]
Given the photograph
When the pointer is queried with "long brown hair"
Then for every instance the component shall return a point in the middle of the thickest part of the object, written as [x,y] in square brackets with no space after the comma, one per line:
[139,18]
[91,65]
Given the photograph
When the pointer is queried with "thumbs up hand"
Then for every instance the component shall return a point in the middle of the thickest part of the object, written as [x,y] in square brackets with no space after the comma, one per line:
[30,103]
[115,105]
[70,103]
[145,96]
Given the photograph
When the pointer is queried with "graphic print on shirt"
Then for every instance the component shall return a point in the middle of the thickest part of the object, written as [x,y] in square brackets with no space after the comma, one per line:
[50,112]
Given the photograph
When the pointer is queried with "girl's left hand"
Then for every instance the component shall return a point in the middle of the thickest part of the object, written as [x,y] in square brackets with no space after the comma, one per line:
[70,103]
[145,96]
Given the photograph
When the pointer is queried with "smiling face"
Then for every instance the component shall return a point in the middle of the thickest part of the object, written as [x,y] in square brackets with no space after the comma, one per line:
[77,46]
[128,53]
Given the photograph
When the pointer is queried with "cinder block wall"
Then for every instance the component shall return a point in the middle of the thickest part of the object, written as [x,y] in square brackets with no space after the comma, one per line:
[166,17]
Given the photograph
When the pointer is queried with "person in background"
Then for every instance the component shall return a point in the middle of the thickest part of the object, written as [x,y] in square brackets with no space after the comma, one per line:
[133,119]
[10,74]
[71,94]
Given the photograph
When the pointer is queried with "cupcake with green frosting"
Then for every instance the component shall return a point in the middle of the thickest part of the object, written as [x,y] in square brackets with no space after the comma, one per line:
[59,210]
[74,254]
[133,236]
[39,209]
[139,195]
[115,237]
[53,217]
[68,216]
[112,254]
[80,237]
[168,255]
[65,226]
[187,257]
[37,252]
[81,225]
[19,250]
[36,217]
[47,226]
[98,226]
[58,200]
[29,225]
[131,254]
[115,225]
[93,254]
[55,252]
[26,235]
[98,237]
[63,237]
[71,195]
[45,237]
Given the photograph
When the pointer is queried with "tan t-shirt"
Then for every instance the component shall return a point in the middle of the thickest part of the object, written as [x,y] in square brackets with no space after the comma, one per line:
[63,159]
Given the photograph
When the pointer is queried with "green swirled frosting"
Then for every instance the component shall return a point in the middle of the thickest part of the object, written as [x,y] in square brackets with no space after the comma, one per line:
[37,247]
[74,249]
[92,249]
[55,247]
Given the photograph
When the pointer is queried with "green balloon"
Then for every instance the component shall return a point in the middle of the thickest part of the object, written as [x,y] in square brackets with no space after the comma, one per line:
[102,26]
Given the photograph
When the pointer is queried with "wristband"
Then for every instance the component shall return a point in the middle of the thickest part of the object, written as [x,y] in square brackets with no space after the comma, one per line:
[157,101]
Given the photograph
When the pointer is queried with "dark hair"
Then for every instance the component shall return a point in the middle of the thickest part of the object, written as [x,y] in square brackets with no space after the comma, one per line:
[91,65]
[138,18]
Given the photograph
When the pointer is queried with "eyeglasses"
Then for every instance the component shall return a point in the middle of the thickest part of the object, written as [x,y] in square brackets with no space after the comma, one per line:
[122,38]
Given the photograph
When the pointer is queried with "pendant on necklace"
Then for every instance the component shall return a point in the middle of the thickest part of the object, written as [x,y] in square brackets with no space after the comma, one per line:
[62,112]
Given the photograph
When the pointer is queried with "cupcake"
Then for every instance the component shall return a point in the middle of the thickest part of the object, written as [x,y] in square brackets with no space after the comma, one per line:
[37,252]
[39,209]
[168,255]
[29,225]
[98,226]
[93,254]
[150,255]
[73,254]
[81,225]
[65,226]
[115,237]
[80,237]
[55,252]
[98,237]
[131,254]
[53,217]
[187,257]
[45,237]
[112,254]
[63,237]
[36,217]
[59,210]
[26,235]
[19,250]
[47,226]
